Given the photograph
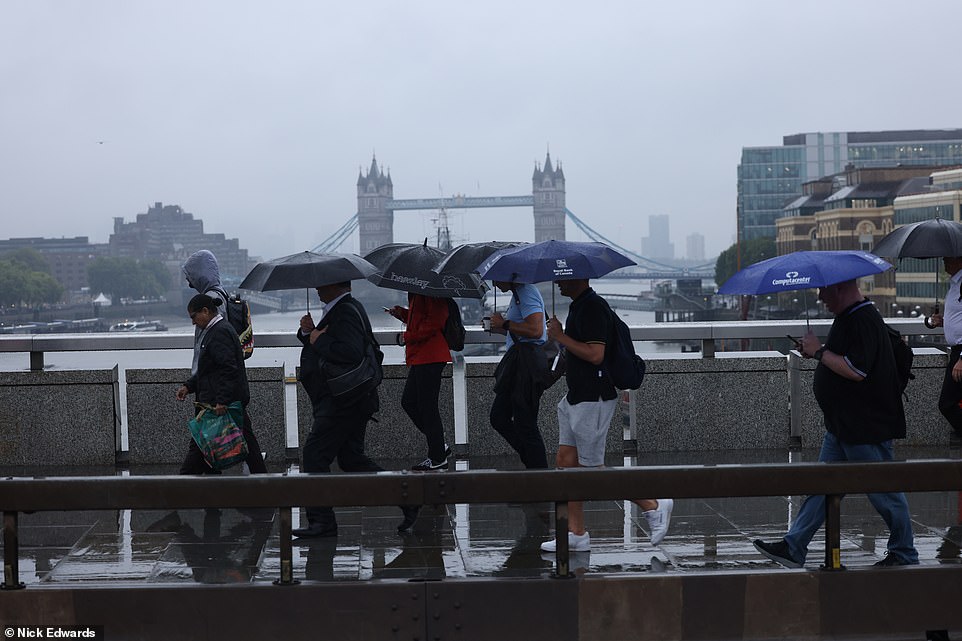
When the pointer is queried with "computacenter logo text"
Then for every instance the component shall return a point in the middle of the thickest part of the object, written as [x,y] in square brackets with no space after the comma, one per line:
[792,278]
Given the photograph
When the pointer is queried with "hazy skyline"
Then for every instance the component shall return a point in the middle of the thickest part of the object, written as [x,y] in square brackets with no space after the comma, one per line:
[256,117]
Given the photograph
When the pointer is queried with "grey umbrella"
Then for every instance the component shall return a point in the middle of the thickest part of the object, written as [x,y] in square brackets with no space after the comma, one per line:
[468,257]
[308,270]
[408,267]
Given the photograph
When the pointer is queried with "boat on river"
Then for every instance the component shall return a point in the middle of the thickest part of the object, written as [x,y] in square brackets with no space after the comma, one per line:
[138,326]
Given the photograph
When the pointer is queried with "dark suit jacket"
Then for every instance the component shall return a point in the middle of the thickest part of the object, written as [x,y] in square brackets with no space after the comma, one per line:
[221,376]
[345,341]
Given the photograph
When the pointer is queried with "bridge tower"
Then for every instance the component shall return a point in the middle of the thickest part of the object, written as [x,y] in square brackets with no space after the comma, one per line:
[548,188]
[375,221]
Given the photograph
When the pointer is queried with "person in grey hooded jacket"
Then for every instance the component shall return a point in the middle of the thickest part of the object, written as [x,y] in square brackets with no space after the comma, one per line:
[203,275]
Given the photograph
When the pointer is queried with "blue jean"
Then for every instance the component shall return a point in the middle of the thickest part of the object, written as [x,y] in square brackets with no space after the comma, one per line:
[892,506]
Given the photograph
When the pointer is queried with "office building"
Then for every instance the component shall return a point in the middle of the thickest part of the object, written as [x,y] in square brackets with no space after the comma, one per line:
[771,177]
[695,246]
[656,244]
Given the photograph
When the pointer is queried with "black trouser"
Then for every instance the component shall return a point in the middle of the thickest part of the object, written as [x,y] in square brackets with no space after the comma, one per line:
[517,421]
[336,436]
[951,394]
[194,462]
[420,403]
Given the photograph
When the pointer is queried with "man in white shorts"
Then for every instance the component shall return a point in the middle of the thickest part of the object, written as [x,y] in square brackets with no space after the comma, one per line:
[584,414]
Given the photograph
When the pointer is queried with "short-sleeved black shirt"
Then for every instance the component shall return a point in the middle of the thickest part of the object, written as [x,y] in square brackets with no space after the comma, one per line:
[870,410]
[589,321]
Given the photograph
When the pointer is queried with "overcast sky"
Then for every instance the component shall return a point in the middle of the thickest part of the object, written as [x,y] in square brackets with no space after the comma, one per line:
[255,116]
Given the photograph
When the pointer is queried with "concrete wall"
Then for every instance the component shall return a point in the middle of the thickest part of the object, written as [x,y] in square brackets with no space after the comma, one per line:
[735,401]
[61,418]
[157,422]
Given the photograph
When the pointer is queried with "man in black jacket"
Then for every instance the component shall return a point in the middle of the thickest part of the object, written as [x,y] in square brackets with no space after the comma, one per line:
[341,337]
[218,378]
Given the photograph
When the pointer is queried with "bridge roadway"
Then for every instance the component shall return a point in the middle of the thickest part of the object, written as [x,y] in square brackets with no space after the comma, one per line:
[475,570]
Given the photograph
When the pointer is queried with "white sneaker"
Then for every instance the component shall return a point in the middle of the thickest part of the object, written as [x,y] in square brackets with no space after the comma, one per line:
[658,520]
[576,543]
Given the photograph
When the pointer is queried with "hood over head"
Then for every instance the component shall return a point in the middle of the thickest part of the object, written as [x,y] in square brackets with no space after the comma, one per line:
[202,271]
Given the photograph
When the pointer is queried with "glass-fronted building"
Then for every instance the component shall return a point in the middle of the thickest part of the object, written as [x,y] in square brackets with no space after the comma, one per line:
[771,177]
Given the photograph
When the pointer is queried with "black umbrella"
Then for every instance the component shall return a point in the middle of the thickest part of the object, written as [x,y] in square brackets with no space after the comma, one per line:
[931,238]
[308,270]
[408,267]
[468,258]
[927,239]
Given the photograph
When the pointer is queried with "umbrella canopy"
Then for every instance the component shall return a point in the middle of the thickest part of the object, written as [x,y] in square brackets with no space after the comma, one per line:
[409,268]
[467,258]
[552,260]
[803,270]
[306,270]
[925,239]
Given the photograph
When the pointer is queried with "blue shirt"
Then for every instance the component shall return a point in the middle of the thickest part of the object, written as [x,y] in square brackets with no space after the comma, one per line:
[525,301]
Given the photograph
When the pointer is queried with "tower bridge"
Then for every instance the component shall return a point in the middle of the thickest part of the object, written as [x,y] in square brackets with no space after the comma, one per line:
[376,204]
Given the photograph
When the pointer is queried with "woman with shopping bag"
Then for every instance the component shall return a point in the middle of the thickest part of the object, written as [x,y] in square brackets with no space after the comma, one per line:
[218,379]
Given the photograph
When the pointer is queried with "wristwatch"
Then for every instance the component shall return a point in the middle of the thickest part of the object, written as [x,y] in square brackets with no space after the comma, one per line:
[818,353]
[927,323]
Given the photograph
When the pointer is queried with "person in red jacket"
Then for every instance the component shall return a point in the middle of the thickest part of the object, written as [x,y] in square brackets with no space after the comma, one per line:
[426,353]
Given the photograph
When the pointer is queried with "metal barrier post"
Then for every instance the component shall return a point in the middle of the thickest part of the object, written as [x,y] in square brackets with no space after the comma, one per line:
[833,533]
[708,348]
[36,361]
[459,385]
[562,567]
[11,553]
[286,548]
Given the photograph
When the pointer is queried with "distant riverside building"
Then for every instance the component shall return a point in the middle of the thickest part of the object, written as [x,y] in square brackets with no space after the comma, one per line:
[68,257]
[771,177]
[169,234]
[656,244]
[695,246]
[921,282]
[856,208]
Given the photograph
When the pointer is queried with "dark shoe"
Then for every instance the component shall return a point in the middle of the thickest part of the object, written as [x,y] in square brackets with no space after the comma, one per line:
[891,560]
[410,516]
[427,465]
[314,531]
[777,552]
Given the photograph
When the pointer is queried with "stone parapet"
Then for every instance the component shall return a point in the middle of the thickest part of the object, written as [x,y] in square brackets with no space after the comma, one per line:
[157,422]
[61,418]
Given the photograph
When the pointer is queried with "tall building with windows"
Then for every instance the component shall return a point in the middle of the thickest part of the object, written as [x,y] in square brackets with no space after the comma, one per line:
[771,177]
[695,246]
[656,244]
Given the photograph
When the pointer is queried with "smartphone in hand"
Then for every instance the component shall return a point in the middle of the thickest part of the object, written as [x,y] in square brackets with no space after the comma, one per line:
[387,309]
[798,342]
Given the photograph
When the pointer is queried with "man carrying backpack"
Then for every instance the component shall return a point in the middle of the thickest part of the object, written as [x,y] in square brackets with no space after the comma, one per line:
[426,353]
[585,413]
[520,377]
[858,390]
[951,319]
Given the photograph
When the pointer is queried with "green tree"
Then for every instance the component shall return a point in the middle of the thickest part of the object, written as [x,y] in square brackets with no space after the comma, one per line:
[29,258]
[21,285]
[752,251]
[127,277]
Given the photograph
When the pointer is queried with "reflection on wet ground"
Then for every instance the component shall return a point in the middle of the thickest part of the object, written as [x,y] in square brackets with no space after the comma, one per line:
[241,546]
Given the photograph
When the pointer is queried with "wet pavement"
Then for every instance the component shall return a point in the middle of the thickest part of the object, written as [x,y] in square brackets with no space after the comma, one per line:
[242,546]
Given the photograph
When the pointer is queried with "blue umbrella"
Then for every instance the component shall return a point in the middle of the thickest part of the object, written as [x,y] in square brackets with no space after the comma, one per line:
[552,260]
[803,270]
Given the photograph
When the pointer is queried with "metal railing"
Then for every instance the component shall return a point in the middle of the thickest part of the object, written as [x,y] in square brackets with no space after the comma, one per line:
[283,492]
[707,333]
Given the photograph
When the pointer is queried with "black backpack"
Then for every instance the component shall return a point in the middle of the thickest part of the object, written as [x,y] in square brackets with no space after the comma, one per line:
[621,364]
[238,314]
[454,331]
[903,358]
